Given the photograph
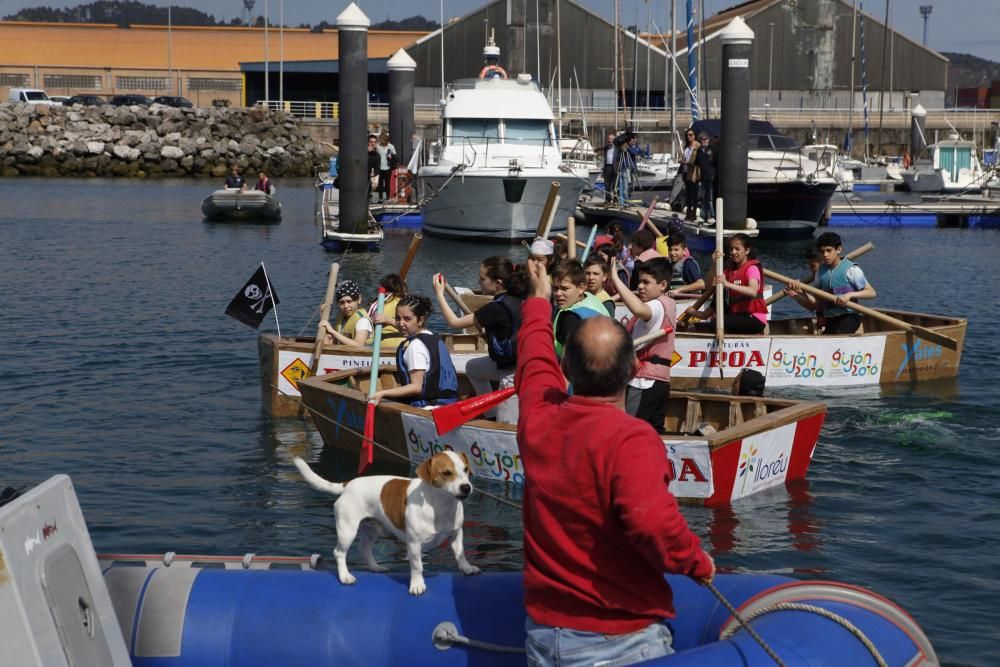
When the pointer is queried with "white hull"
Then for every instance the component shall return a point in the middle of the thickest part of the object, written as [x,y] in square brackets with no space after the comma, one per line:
[474,205]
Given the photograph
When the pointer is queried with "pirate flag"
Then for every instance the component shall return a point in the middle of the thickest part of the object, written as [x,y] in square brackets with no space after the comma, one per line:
[254,300]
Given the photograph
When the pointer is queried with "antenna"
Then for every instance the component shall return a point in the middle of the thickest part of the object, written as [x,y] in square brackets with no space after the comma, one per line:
[248,6]
[925,11]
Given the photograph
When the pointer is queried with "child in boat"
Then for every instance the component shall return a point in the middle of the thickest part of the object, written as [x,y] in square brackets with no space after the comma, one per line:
[642,245]
[686,278]
[541,251]
[500,320]
[352,326]
[746,311]
[426,374]
[575,303]
[652,310]
[813,262]
[844,279]
[595,272]
[395,290]
[607,252]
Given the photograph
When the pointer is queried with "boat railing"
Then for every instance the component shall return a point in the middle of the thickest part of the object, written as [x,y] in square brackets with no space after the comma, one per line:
[480,151]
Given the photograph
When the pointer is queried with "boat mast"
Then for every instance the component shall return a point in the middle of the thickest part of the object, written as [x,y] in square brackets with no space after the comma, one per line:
[692,63]
[442,51]
[672,65]
[849,139]
[635,68]
[649,18]
[881,96]
[701,47]
[614,73]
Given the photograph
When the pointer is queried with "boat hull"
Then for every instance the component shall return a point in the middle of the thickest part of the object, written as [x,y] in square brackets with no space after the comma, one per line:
[475,205]
[286,361]
[790,210]
[241,205]
[180,615]
[776,437]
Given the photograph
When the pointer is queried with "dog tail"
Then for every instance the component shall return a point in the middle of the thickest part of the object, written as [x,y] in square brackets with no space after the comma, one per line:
[315,481]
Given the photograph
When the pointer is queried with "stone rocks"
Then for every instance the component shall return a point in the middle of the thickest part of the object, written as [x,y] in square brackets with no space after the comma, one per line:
[141,142]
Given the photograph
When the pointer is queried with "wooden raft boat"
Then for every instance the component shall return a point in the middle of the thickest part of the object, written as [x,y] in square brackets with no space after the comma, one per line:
[285,361]
[721,448]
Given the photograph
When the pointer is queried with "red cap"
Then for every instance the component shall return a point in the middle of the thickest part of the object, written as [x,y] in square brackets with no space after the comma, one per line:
[381,290]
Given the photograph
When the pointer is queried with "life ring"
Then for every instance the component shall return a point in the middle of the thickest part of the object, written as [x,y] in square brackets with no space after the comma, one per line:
[490,71]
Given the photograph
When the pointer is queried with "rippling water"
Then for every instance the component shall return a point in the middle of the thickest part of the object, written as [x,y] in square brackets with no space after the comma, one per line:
[120,369]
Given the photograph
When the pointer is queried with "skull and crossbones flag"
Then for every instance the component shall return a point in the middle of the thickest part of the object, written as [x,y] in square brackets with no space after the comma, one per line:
[254,300]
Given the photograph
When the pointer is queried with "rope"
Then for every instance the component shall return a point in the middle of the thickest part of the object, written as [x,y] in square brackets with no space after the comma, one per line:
[345,427]
[744,622]
[446,634]
[825,613]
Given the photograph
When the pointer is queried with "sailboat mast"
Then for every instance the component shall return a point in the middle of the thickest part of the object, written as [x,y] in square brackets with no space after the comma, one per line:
[849,139]
[672,65]
[881,96]
[692,62]
[649,19]
[614,74]
[559,66]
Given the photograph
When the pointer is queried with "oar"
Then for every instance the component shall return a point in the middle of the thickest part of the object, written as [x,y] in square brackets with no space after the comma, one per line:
[571,237]
[590,244]
[923,332]
[457,298]
[548,211]
[410,253]
[324,314]
[854,254]
[448,417]
[367,445]
[645,218]
[720,326]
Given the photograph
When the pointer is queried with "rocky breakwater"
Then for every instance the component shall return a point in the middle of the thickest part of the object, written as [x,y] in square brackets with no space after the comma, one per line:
[152,142]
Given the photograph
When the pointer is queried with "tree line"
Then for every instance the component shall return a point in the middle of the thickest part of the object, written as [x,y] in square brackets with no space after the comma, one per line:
[128,12]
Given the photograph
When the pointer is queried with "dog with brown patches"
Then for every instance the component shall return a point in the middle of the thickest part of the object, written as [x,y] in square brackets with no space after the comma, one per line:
[424,510]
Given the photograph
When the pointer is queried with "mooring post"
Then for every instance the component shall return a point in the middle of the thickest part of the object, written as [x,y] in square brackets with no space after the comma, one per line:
[737,44]
[352,36]
[402,76]
[918,131]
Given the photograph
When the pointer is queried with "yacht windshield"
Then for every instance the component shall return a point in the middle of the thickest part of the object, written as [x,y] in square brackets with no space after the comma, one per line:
[476,130]
[772,142]
[527,131]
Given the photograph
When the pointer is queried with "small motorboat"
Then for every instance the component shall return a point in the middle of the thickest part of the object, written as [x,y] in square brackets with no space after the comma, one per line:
[238,204]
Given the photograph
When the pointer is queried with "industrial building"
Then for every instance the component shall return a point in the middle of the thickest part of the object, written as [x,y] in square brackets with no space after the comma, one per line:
[802,58]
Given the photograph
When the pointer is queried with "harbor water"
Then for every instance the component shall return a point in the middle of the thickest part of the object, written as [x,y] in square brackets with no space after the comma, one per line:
[121,370]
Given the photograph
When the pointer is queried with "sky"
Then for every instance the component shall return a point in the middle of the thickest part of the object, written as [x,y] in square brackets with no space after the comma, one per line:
[963,26]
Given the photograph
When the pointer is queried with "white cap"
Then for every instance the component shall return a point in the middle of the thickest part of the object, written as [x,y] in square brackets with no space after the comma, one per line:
[352,18]
[541,247]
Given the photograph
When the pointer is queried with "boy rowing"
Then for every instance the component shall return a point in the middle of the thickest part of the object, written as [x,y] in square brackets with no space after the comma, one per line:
[842,278]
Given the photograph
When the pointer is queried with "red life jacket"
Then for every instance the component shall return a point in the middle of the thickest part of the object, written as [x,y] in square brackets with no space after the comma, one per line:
[739,303]
[655,358]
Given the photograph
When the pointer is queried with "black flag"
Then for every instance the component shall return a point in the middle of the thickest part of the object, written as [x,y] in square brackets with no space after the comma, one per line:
[254,301]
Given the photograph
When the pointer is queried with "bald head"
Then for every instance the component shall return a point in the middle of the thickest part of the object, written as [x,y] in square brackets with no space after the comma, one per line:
[599,358]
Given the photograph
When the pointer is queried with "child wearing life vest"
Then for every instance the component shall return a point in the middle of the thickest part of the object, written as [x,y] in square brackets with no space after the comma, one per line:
[575,303]
[746,310]
[426,373]
[652,310]
[352,326]
[844,279]
[595,271]
[685,277]
[499,320]
[395,289]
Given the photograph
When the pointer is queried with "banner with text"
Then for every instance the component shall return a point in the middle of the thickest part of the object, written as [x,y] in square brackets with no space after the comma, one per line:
[691,464]
[825,360]
[492,452]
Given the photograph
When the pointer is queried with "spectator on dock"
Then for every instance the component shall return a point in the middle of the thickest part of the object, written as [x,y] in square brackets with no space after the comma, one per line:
[689,168]
[373,164]
[387,162]
[705,159]
[609,174]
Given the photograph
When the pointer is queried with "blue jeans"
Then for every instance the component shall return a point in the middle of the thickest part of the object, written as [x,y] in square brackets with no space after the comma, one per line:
[562,647]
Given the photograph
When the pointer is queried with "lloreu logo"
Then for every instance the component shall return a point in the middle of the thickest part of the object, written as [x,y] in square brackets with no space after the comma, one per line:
[764,461]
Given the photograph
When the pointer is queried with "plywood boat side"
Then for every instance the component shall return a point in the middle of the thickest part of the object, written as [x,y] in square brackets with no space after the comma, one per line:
[716,444]
[285,361]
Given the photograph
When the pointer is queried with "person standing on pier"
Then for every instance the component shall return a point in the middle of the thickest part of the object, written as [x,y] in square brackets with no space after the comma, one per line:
[689,167]
[608,173]
[705,159]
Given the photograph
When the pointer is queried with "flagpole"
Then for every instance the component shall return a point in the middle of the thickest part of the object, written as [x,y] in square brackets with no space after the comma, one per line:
[270,295]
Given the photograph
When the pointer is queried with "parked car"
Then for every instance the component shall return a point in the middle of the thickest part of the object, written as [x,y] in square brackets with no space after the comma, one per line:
[59,99]
[29,95]
[173,101]
[129,100]
[85,100]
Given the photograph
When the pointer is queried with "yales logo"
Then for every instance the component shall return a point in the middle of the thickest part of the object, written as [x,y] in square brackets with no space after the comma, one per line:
[916,353]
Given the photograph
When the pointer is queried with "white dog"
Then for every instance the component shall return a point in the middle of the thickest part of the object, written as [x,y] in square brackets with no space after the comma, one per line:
[424,510]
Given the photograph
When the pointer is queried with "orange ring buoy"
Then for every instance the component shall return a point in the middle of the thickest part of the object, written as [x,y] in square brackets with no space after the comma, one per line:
[493,69]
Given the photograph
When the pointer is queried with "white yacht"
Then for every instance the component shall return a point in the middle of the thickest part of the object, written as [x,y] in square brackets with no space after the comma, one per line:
[831,162]
[490,173]
[952,167]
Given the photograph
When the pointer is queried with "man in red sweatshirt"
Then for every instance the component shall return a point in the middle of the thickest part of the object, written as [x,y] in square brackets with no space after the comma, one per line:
[600,526]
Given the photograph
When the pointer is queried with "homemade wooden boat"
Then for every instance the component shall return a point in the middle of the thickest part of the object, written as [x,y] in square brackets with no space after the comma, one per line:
[237,204]
[721,447]
[286,361]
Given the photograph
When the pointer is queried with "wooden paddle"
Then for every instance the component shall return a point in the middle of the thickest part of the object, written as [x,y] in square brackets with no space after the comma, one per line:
[449,417]
[410,253]
[367,445]
[571,237]
[926,334]
[720,326]
[457,298]
[548,211]
[324,314]
[854,254]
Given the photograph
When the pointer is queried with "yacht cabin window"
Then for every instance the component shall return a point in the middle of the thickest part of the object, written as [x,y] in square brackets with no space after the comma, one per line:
[527,131]
[476,130]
